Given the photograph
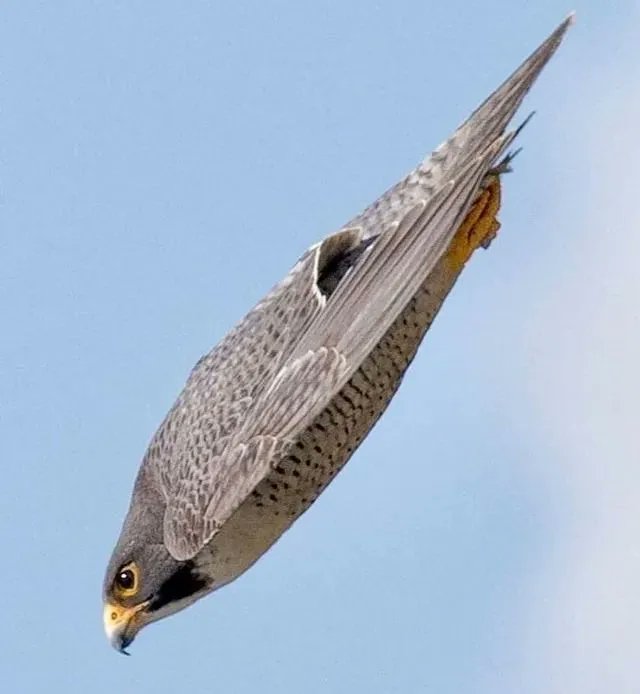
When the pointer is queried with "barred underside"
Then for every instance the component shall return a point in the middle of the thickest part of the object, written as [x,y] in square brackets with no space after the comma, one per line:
[321,451]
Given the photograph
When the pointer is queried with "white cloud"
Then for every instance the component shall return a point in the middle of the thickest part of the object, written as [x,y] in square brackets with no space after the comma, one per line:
[584,351]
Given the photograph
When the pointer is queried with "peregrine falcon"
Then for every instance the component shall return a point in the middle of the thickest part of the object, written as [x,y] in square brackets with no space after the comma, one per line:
[272,413]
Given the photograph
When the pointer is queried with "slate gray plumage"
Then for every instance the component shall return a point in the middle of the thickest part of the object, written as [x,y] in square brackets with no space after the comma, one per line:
[275,410]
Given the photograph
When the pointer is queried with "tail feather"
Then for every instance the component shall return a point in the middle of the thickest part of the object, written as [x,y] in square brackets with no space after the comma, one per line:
[487,123]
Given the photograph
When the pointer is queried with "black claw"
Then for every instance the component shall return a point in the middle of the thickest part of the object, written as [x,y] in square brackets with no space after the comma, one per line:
[504,165]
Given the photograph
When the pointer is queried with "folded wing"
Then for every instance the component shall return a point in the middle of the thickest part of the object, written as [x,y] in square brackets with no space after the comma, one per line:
[409,229]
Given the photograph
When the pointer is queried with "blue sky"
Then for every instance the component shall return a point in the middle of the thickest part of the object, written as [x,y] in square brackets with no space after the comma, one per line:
[161,166]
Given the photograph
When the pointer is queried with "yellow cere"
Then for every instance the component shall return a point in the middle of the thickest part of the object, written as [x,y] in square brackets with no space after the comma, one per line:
[115,617]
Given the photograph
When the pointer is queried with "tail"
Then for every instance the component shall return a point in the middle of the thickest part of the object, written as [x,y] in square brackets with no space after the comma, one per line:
[485,125]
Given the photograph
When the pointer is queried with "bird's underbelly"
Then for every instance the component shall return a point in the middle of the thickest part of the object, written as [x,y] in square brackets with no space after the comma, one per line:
[297,480]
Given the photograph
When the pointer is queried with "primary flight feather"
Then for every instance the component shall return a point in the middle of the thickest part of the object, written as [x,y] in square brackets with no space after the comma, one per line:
[275,410]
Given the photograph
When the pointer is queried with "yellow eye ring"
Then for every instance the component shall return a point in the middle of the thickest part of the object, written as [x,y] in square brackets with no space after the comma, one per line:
[126,580]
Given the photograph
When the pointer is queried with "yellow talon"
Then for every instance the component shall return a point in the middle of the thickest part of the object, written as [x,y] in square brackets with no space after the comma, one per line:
[479,227]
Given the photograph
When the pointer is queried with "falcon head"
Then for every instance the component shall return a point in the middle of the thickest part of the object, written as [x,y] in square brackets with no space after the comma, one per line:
[143,582]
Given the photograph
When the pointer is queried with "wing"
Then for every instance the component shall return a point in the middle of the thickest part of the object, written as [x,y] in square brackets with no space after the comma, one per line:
[326,339]
[487,122]
[186,454]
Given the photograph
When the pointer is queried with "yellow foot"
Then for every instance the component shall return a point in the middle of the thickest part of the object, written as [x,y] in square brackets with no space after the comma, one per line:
[480,226]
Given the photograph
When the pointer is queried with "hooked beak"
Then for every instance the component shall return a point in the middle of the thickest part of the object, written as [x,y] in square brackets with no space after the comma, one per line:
[121,624]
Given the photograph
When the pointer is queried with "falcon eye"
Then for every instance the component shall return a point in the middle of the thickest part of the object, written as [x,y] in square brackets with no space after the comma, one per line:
[126,580]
